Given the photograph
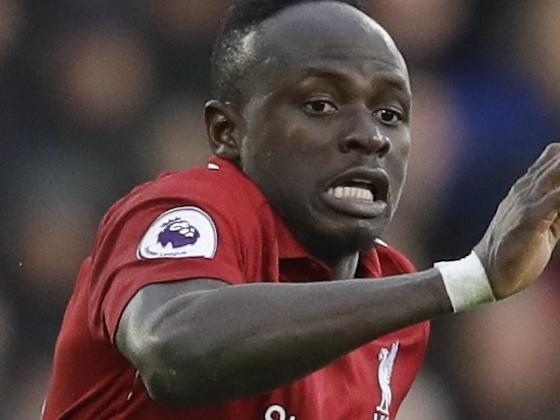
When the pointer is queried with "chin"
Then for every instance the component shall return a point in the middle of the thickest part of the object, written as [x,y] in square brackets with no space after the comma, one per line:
[358,239]
[334,244]
[331,236]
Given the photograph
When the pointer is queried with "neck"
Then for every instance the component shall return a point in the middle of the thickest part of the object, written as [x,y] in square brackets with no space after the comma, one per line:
[345,268]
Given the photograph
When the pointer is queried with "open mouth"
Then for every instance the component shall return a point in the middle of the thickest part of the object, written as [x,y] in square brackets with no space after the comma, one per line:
[359,192]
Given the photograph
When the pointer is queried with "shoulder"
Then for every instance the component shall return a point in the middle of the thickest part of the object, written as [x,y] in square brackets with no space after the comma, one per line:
[218,188]
[182,207]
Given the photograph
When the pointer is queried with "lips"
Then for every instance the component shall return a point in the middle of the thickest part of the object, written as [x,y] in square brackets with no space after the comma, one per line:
[359,192]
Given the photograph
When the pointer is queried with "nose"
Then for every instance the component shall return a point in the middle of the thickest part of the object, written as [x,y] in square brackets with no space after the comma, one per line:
[365,137]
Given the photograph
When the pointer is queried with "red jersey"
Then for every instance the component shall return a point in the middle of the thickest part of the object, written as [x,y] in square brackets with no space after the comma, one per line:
[213,223]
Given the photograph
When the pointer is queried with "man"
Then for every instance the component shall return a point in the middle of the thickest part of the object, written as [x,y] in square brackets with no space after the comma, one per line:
[246,290]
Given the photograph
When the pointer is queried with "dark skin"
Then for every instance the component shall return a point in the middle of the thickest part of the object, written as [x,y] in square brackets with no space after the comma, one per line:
[339,101]
[311,121]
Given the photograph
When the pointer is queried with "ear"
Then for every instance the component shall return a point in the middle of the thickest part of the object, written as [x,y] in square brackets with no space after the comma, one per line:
[223,126]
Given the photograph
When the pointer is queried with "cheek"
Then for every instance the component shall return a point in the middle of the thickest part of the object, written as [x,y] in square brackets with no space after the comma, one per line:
[401,150]
[261,145]
[283,140]
[267,152]
[402,145]
[398,161]
[309,141]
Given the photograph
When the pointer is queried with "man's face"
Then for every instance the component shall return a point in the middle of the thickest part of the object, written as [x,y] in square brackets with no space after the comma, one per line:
[327,130]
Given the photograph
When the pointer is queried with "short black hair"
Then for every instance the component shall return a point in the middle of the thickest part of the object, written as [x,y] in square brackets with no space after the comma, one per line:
[228,69]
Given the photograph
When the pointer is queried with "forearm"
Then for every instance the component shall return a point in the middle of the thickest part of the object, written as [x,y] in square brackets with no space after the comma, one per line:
[236,341]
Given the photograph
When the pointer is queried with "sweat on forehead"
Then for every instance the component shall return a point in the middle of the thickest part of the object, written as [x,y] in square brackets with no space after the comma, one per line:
[235,52]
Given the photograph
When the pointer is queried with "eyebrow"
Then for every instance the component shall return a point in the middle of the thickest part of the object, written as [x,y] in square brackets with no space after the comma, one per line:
[385,77]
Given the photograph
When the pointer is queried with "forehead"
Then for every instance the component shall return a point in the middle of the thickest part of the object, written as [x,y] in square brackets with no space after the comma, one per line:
[325,34]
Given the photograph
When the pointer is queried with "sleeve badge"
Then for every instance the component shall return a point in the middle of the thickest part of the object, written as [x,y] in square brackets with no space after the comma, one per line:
[181,232]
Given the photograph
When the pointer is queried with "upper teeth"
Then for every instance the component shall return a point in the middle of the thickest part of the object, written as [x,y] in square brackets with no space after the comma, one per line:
[351,192]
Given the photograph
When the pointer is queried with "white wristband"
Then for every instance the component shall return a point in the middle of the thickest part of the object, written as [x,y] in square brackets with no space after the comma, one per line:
[466,282]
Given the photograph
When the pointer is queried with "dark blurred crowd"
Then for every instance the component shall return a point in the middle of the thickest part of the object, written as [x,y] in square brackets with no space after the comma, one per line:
[97,96]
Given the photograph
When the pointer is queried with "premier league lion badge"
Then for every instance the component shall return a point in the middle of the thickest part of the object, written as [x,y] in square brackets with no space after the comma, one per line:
[179,233]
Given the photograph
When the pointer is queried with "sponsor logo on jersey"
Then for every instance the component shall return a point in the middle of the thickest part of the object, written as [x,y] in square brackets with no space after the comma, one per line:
[180,233]
[386,359]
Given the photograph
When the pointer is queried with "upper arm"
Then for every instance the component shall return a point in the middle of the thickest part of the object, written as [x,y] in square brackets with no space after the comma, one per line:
[119,269]
[138,328]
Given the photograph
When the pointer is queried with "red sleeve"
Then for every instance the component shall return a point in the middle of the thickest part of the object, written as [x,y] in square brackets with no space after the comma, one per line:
[153,242]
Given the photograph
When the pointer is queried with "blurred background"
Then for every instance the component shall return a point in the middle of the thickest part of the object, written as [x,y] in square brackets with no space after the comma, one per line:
[98,96]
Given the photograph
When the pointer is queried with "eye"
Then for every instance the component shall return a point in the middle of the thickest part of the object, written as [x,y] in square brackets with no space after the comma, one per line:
[320,107]
[389,116]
